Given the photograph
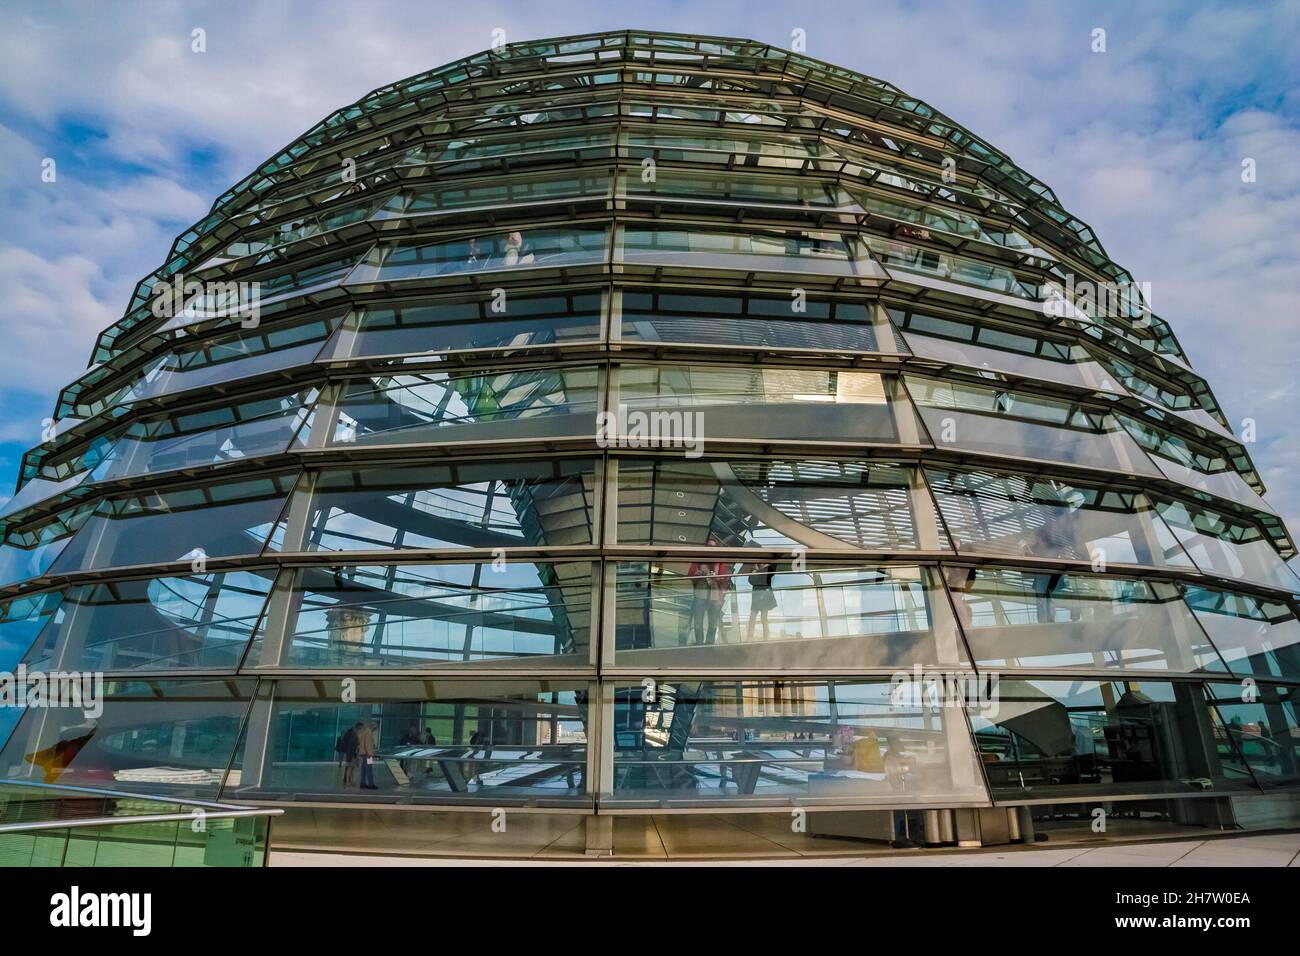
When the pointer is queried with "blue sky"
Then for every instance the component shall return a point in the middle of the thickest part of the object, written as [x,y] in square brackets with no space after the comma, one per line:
[1144,142]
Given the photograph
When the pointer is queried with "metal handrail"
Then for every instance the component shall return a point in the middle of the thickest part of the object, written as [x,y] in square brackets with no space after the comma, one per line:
[79,823]
[209,810]
[54,788]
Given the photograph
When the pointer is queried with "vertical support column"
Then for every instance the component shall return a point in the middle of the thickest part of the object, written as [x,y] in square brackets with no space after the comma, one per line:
[257,739]
[323,417]
[602,702]
[883,329]
[1027,833]
[600,834]
[933,830]
[281,610]
[947,828]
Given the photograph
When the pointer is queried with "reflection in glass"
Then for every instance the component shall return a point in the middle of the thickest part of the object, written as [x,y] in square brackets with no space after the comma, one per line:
[426,407]
[1193,465]
[1023,353]
[494,742]
[1017,424]
[753,741]
[29,552]
[1256,636]
[197,621]
[961,226]
[429,615]
[500,191]
[1260,729]
[743,189]
[297,280]
[21,621]
[218,520]
[265,241]
[520,249]
[452,325]
[812,252]
[197,362]
[754,321]
[775,504]
[767,615]
[1032,619]
[1222,544]
[894,254]
[467,505]
[1023,515]
[773,403]
[722,146]
[212,436]
[169,737]
[1078,739]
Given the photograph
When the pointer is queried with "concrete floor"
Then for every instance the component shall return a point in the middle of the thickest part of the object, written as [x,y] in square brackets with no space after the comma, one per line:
[328,837]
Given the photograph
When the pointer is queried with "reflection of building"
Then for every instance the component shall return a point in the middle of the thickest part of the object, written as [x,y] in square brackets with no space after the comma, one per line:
[856,433]
[768,699]
[347,627]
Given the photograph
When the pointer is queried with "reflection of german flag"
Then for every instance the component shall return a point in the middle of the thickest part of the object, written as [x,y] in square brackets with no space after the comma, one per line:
[54,760]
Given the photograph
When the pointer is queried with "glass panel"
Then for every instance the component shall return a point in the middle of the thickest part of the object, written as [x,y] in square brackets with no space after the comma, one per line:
[752,321]
[1023,515]
[1255,636]
[219,520]
[766,403]
[1018,424]
[1072,740]
[430,615]
[36,490]
[952,221]
[1022,353]
[227,358]
[447,325]
[779,741]
[272,287]
[451,325]
[485,505]
[175,738]
[1033,619]
[29,552]
[265,241]
[540,248]
[743,189]
[720,147]
[1200,468]
[761,615]
[195,439]
[512,191]
[775,504]
[1228,546]
[466,406]
[476,152]
[817,252]
[21,621]
[497,743]
[1258,728]
[1228,484]
[907,257]
[198,621]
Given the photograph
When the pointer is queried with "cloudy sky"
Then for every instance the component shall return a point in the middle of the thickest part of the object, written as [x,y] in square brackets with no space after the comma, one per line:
[1144,141]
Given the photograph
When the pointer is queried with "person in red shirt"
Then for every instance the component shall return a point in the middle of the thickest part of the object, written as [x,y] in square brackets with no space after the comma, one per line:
[710,582]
